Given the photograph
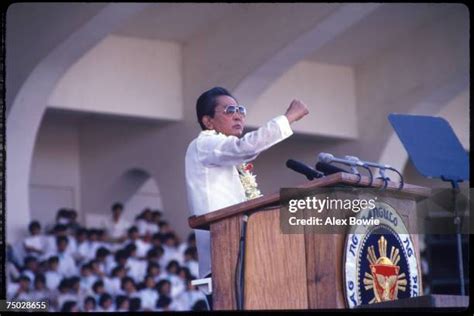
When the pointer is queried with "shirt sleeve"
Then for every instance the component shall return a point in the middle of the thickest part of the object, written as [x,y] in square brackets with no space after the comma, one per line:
[222,150]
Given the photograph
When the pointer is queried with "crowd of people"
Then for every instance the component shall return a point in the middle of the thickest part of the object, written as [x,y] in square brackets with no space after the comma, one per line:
[116,266]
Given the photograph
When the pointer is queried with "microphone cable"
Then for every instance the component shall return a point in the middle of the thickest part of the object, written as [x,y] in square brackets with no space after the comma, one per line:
[240,266]
[402,182]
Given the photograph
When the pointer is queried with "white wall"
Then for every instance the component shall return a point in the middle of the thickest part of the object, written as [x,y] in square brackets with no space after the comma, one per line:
[329,92]
[125,76]
[456,112]
[429,65]
[55,172]
[148,195]
[55,180]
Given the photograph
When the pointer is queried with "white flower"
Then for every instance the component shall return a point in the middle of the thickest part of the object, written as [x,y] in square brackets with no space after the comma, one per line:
[248,182]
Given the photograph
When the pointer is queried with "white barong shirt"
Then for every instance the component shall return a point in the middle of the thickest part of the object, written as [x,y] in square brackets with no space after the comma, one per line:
[212,179]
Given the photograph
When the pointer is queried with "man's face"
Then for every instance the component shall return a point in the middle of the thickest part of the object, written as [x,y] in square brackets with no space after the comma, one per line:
[116,213]
[62,245]
[228,124]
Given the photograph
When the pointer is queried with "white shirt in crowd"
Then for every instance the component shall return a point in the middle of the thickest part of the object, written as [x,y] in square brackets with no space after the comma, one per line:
[116,229]
[186,300]
[177,285]
[67,266]
[212,179]
[142,247]
[169,254]
[88,249]
[148,298]
[113,286]
[193,267]
[40,295]
[145,227]
[87,282]
[64,297]
[52,249]
[31,275]
[52,279]
[137,268]
[39,242]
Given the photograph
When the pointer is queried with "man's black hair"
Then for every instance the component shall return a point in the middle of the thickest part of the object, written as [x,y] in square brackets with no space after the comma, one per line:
[135,304]
[191,237]
[40,277]
[53,259]
[97,284]
[102,252]
[62,239]
[163,301]
[90,299]
[34,224]
[68,306]
[120,299]
[126,279]
[160,284]
[116,270]
[24,277]
[133,229]
[29,259]
[65,284]
[117,206]
[62,212]
[103,298]
[200,305]
[207,102]
[59,228]
[121,254]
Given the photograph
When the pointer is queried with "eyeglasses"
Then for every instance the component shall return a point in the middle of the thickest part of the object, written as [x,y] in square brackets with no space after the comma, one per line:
[231,109]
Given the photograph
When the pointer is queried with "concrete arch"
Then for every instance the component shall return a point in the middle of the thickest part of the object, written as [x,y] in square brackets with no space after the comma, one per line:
[394,154]
[128,183]
[29,104]
[307,43]
[128,187]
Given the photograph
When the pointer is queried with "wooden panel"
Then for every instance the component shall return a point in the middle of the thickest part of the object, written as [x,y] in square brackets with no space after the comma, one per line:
[275,269]
[203,221]
[324,270]
[224,249]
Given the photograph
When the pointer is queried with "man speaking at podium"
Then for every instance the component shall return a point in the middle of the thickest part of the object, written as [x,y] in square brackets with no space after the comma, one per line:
[214,159]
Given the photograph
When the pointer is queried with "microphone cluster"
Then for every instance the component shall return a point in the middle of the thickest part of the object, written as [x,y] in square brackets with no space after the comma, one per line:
[324,167]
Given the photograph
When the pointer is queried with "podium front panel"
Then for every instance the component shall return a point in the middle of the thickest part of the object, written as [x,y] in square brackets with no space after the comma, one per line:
[275,265]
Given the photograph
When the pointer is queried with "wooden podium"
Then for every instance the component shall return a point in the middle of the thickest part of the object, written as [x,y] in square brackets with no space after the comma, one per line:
[287,271]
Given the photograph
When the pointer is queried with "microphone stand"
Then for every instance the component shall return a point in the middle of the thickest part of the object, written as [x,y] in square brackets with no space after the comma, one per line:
[457,222]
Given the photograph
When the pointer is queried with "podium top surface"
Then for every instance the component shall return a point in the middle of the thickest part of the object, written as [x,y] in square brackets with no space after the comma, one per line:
[272,200]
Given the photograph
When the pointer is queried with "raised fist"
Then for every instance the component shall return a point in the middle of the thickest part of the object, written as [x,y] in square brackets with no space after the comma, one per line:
[296,111]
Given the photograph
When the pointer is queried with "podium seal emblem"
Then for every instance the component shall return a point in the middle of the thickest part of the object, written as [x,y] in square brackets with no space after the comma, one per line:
[380,263]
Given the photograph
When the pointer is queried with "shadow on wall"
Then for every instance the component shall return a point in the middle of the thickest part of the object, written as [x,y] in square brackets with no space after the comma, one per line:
[137,190]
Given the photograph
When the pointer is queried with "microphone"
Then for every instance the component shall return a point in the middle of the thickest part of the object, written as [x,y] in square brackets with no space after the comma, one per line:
[300,167]
[381,167]
[328,169]
[328,158]
[369,163]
